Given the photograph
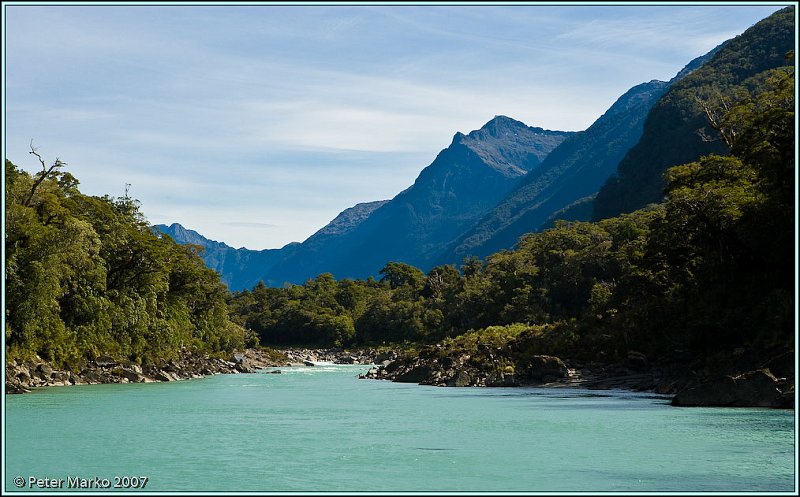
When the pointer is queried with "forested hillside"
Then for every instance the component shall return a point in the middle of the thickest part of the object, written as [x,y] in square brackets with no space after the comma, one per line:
[677,129]
[86,276]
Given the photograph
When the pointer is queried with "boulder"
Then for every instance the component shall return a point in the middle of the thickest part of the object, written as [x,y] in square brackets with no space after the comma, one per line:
[171,366]
[636,361]
[385,356]
[462,379]
[544,368]
[244,367]
[131,376]
[782,365]
[163,376]
[751,389]
[308,363]
[44,371]
[105,361]
[415,374]
[23,375]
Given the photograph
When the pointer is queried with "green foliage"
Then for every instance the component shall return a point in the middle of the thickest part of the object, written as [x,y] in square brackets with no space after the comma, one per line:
[86,276]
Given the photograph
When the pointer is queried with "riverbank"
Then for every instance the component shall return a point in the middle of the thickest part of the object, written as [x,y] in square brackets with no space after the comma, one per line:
[735,382]
[24,375]
[766,384]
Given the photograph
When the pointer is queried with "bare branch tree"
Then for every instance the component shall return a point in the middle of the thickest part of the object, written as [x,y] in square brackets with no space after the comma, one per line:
[715,114]
[46,171]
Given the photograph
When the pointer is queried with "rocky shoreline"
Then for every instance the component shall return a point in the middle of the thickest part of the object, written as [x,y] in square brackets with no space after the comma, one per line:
[24,375]
[757,387]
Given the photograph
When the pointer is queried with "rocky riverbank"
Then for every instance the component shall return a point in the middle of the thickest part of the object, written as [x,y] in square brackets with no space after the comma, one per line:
[307,357]
[24,375]
[748,384]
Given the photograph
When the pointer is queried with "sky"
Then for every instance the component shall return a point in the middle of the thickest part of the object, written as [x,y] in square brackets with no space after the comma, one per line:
[256,124]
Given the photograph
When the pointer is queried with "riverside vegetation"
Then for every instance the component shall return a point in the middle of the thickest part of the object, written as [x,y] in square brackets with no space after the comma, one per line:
[694,294]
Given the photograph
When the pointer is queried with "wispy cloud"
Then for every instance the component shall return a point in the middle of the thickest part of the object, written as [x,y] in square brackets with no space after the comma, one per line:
[250,225]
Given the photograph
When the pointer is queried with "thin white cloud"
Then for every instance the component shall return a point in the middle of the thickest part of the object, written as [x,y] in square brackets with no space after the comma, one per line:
[244,224]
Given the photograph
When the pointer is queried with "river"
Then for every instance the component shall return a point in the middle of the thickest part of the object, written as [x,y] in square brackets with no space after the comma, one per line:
[320,429]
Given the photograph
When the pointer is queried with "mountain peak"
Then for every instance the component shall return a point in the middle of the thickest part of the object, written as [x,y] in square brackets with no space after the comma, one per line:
[499,126]
[182,235]
[501,121]
[509,146]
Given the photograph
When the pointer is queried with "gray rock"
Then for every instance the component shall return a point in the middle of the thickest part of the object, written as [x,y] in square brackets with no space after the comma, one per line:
[44,371]
[636,361]
[163,376]
[462,379]
[415,374]
[244,367]
[23,375]
[132,376]
[541,367]
[751,389]
[105,361]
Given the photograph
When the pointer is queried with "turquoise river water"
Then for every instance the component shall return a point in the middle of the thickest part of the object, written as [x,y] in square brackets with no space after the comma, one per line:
[320,429]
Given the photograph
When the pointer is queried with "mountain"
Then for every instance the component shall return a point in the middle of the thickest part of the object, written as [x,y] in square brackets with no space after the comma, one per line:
[243,268]
[238,268]
[563,187]
[676,130]
[465,180]
[346,221]
[576,168]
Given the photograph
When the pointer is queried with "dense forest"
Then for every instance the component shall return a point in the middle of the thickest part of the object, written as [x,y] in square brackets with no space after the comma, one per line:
[708,269]
[86,276]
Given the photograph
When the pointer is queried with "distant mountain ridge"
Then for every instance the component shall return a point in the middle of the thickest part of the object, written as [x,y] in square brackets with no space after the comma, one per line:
[244,268]
[238,268]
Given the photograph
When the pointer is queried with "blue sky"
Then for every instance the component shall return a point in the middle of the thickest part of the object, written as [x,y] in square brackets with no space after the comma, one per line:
[255,125]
